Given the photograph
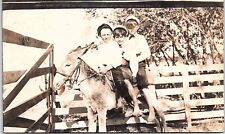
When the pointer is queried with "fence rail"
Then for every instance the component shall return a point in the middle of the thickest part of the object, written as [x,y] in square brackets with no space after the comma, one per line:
[13,76]
[19,39]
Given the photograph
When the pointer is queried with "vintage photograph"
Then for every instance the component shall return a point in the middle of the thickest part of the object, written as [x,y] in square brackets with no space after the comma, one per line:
[127,69]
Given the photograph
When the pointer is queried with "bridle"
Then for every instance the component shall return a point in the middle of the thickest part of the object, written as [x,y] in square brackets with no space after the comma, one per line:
[74,75]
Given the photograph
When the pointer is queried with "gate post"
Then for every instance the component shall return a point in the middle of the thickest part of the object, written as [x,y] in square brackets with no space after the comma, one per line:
[51,93]
[186,95]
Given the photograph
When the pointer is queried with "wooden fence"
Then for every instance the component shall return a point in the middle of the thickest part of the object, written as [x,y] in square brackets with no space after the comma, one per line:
[21,77]
[176,89]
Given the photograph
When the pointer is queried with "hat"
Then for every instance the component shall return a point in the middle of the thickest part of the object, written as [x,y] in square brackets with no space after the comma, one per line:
[132,17]
[120,27]
[103,26]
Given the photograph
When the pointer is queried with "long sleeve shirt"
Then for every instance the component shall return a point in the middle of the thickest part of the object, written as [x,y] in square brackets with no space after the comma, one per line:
[136,49]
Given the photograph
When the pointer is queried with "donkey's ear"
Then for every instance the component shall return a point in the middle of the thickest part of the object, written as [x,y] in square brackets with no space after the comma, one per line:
[73,50]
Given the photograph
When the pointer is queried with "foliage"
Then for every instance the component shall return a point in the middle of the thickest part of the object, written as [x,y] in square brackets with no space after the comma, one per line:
[193,35]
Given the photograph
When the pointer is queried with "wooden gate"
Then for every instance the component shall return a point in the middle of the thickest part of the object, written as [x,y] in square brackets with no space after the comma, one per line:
[176,93]
[21,77]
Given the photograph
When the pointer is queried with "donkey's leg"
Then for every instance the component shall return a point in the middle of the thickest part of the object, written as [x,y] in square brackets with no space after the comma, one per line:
[102,119]
[133,92]
[92,120]
[162,117]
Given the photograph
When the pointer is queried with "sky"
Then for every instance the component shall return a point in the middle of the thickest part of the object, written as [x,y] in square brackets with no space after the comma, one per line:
[65,28]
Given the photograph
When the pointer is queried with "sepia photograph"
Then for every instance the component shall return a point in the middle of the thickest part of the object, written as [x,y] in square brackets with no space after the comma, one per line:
[104,66]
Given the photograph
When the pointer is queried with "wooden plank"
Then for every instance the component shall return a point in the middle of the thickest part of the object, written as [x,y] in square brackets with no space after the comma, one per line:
[207,114]
[41,71]
[194,115]
[16,111]
[205,120]
[169,91]
[72,110]
[203,102]
[13,76]
[24,79]
[186,96]
[51,95]
[188,78]
[36,125]
[178,91]
[174,117]
[177,105]
[79,103]
[19,39]
[207,89]
[187,68]
[24,123]
[72,96]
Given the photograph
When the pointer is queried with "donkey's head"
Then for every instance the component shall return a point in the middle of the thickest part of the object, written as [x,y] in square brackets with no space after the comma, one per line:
[67,69]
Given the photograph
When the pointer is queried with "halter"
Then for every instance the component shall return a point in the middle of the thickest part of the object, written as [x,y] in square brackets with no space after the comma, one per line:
[73,77]
[75,73]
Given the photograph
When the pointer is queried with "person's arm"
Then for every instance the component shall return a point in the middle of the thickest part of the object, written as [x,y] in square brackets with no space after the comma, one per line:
[130,55]
[144,49]
[134,66]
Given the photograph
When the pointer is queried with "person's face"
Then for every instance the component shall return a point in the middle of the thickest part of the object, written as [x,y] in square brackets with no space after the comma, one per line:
[120,36]
[132,26]
[106,34]
[120,39]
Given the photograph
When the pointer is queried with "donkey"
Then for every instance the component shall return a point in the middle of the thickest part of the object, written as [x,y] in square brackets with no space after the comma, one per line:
[95,88]
[97,93]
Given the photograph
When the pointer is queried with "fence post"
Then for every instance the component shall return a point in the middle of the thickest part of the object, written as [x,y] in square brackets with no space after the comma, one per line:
[51,94]
[186,95]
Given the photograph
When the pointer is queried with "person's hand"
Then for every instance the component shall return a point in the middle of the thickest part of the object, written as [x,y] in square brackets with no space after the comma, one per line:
[94,46]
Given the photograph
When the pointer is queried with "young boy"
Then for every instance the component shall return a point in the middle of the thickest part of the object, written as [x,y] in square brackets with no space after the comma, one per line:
[136,52]
[123,76]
